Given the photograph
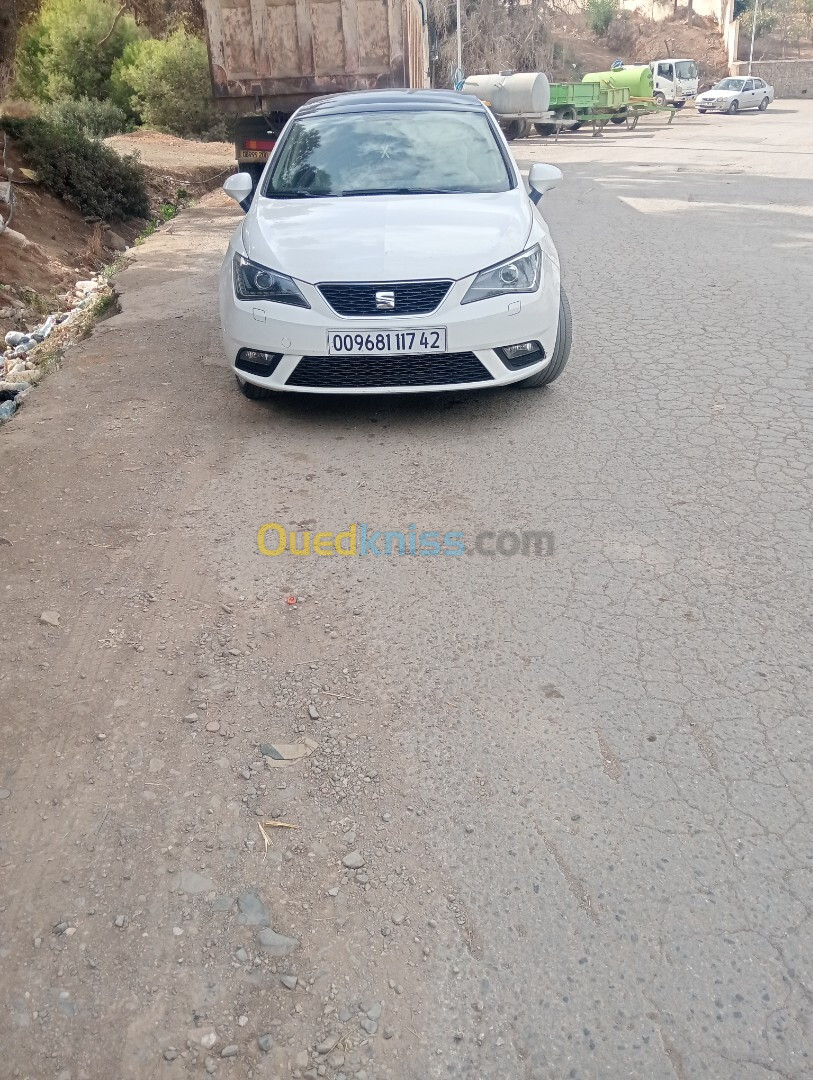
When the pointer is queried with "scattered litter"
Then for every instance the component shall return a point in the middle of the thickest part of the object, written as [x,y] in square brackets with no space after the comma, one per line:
[279,755]
[263,825]
[291,601]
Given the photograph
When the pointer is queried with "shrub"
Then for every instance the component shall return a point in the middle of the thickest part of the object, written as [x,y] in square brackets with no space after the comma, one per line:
[81,170]
[168,84]
[69,50]
[600,14]
[95,119]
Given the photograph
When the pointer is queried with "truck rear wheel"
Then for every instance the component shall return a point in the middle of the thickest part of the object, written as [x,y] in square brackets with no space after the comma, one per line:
[545,129]
[516,129]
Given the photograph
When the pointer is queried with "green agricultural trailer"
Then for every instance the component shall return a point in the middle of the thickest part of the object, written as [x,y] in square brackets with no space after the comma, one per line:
[602,97]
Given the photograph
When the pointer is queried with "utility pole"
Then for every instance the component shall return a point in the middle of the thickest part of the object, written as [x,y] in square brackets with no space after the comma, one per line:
[459,41]
[753,34]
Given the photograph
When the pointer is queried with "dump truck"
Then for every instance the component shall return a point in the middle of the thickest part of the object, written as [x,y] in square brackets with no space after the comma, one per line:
[268,57]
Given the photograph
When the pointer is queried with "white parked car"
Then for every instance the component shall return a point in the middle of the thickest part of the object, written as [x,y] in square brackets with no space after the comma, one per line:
[733,94]
[391,246]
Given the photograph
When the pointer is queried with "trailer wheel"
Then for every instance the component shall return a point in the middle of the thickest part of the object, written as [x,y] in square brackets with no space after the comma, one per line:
[659,98]
[618,119]
[545,129]
[561,350]
[516,129]
[577,125]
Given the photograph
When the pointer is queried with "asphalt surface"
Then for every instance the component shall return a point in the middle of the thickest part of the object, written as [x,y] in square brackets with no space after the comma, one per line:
[581,779]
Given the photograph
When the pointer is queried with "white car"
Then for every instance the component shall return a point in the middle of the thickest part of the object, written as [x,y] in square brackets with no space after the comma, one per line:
[391,246]
[732,95]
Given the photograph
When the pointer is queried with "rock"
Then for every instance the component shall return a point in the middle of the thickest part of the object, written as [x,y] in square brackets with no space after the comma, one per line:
[191,718]
[213,726]
[232,1050]
[333,892]
[398,918]
[325,1046]
[388,1033]
[4,793]
[15,338]
[7,410]
[242,1021]
[241,955]
[190,881]
[253,911]
[50,618]
[353,861]
[170,1053]
[375,1012]
[211,1065]
[289,981]
[119,921]
[363,879]
[313,712]
[370,1026]
[208,1040]
[265,1043]
[113,241]
[276,944]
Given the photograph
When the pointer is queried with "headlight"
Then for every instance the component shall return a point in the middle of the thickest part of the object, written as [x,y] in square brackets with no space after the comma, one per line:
[518,275]
[255,282]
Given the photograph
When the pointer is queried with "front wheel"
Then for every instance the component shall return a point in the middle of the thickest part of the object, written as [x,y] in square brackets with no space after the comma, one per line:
[679,104]
[733,108]
[561,350]
[252,392]
[659,98]
[763,105]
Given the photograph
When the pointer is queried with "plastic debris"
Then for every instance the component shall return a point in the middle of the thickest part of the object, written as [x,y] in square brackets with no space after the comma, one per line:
[280,755]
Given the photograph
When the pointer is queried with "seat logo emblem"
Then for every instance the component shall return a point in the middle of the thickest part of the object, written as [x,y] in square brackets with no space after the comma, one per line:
[385,301]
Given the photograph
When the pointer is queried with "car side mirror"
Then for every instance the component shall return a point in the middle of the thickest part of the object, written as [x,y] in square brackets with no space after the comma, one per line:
[239,187]
[543,178]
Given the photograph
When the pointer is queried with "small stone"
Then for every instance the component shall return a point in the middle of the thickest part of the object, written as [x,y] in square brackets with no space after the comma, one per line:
[398,918]
[313,712]
[211,1065]
[325,1046]
[190,881]
[208,1040]
[177,931]
[370,1026]
[4,793]
[241,955]
[101,736]
[333,892]
[375,1012]
[289,981]
[245,773]
[265,1043]
[191,718]
[242,1021]
[385,931]
[170,1053]
[253,911]
[276,944]
[469,828]
[60,928]
[232,1050]
[362,878]
[388,1033]
[353,861]
[213,726]
[119,921]
[50,618]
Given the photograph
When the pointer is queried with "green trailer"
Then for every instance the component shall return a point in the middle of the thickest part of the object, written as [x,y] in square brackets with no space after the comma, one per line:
[597,103]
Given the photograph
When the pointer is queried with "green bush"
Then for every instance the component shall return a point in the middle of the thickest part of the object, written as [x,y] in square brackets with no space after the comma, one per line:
[81,170]
[600,14]
[167,83]
[69,50]
[95,119]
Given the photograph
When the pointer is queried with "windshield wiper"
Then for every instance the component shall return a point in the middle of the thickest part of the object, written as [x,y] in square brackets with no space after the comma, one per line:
[400,191]
[295,193]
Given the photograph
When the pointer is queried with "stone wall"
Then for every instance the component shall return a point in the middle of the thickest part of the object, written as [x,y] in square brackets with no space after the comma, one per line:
[790,78]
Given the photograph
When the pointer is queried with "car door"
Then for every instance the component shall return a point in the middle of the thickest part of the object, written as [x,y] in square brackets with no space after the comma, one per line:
[747,95]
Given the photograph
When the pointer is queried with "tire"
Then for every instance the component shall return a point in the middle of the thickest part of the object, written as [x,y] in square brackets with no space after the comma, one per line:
[545,129]
[679,104]
[701,110]
[733,108]
[517,129]
[763,105]
[577,125]
[618,119]
[252,392]
[561,350]
[659,97]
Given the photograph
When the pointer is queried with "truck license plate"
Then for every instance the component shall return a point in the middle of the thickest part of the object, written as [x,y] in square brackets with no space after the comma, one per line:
[386,342]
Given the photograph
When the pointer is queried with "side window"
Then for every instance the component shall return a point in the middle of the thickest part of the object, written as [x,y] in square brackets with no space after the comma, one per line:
[665,71]
[749,84]
[759,84]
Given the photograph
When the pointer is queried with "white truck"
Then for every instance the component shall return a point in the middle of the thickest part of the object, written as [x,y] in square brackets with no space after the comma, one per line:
[676,81]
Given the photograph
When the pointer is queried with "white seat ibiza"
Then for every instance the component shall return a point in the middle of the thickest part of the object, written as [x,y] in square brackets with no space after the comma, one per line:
[391,247]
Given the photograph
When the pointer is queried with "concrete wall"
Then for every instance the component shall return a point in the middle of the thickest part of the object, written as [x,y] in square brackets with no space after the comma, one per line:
[790,78]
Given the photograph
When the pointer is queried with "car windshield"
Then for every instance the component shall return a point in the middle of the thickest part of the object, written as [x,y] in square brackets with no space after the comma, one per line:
[686,69]
[388,153]
[730,84]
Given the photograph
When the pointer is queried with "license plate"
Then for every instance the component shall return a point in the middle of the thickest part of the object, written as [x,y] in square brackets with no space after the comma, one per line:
[254,155]
[386,342]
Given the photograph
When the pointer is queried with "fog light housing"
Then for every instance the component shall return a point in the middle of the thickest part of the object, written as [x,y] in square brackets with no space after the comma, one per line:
[256,362]
[521,355]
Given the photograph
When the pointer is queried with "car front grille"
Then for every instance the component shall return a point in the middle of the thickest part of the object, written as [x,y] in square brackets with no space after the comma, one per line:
[356,372]
[358,298]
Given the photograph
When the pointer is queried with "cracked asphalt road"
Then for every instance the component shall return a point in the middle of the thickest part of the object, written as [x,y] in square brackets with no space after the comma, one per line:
[580,781]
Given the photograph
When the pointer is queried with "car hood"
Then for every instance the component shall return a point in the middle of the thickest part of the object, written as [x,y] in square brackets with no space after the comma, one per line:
[375,237]
[714,95]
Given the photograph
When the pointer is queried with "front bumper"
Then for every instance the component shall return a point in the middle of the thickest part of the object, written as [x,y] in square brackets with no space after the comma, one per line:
[473,333]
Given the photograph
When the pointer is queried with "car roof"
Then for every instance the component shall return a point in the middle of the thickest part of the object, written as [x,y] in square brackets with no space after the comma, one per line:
[392,101]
